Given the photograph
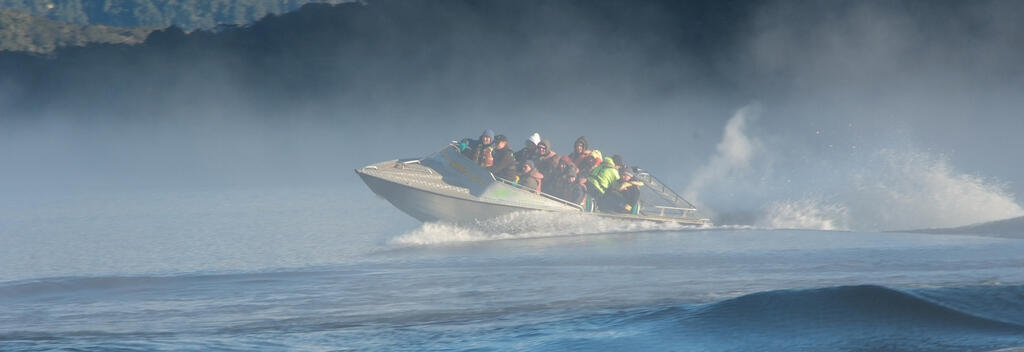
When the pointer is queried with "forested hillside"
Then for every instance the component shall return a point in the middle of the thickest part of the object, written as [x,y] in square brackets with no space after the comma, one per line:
[494,56]
[356,55]
[23,32]
[187,14]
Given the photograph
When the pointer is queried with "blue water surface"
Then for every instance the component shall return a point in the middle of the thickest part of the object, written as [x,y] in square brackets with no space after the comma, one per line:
[304,269]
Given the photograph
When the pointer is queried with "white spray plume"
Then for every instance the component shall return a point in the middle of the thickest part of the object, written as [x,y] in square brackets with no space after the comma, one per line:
[733,156]
[807,213]
[899,190]
[522,225]
[918,190]
[895,190]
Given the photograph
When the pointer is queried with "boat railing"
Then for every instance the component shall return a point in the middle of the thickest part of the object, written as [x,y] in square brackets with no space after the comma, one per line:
[542,194]
[403,164]
[657,199]
[682,212]
[655,185]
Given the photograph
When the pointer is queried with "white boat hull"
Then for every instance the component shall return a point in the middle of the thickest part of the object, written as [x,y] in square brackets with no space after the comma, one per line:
[449,187]
[431,206]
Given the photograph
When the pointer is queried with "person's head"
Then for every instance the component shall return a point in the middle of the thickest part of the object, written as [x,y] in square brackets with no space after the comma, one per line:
[500,141]
[533,140]
[627,175]
[580,145]
[526,166]
[564,162]
[608,162]
[618,161]
[589,160]
[487,136]
[543,148]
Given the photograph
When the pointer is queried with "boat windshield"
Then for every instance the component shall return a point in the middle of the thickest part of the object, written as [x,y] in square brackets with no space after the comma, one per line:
[659,200]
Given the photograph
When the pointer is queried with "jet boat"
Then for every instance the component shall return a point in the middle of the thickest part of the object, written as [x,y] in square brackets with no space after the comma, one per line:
[446,186]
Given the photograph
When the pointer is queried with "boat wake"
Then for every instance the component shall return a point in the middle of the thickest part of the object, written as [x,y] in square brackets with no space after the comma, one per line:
[890,188]
[524,225]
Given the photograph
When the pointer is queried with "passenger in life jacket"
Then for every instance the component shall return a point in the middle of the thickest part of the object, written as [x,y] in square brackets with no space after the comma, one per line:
[590,162]
[620,164]
[529,152]
[482,154]
[577,193]
[529,177]
[603,177]
[580,151]
[479,150]
[626,193]
[558,180]
[504,162]
[547,159]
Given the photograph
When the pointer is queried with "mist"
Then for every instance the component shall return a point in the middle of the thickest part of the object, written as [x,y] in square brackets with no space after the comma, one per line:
[839,115]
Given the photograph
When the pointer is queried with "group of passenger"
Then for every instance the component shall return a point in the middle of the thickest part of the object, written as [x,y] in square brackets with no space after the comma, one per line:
[585,177]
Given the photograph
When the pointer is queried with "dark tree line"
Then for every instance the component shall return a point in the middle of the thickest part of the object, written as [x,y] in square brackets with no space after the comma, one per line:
[407,53]
[24,32]
[188,14]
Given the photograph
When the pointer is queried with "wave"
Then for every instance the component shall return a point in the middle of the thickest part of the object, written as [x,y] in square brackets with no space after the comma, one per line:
[863,317]
[985,308]
[524,225]
[865,304]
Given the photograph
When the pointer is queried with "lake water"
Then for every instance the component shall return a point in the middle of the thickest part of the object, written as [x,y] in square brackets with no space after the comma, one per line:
[333,268]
